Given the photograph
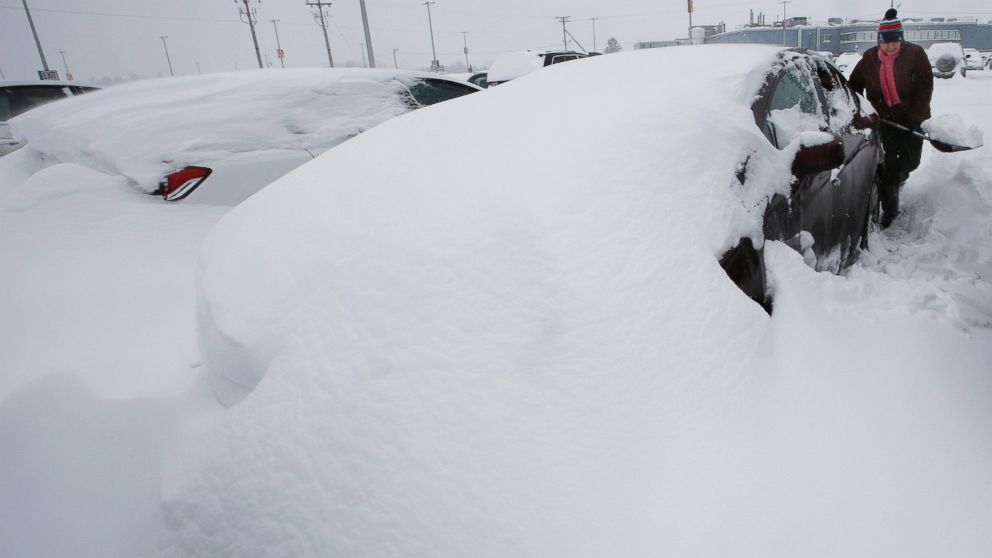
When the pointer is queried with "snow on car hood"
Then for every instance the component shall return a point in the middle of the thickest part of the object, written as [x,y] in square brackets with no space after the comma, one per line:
[145,129]
[507,329]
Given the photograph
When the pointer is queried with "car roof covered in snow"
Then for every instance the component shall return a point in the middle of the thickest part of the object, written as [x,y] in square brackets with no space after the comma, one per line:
[145,129]
[588,166]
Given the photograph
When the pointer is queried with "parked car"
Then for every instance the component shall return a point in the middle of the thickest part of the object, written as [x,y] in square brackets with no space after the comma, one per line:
[646,195]
[973,59]
[516,64]
[480,79]
[947,59]
[219,138]
[846,61]
[17,97]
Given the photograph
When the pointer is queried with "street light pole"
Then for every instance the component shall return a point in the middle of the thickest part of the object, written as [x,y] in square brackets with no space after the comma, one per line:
[279,52]
[68,76]
[784,2]
[465,43]
[368,36]
[37,41]
[435,65]
[167,59]
[593,20]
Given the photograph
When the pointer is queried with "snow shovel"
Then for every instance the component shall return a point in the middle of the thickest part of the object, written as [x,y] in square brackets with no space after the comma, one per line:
[939,145]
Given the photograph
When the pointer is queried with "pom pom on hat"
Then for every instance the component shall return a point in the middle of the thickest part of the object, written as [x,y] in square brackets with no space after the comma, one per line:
[890,29]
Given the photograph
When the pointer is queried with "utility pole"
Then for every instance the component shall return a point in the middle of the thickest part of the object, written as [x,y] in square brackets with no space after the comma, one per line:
[167,59]
[690,22]
[368,36]
[68,75]
[465,42]
[249,16]
[318,16]
[361,47]
[395,64]
[37,41]
[435,65]
[593,20]
[564,32]
[784,2]
[279,52]
[198,68]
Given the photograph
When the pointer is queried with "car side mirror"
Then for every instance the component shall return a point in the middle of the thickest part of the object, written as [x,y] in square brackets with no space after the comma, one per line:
[816,155]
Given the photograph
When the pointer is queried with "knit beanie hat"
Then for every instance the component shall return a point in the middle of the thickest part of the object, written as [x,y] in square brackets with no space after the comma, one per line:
[890,30]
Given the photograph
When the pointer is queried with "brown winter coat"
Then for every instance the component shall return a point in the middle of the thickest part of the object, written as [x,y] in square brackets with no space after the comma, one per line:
[914,81]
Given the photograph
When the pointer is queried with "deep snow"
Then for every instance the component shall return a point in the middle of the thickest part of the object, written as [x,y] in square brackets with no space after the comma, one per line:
[853,422]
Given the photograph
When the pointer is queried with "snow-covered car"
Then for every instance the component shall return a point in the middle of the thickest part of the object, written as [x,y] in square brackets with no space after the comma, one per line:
[516,64]
[17,97]
[846,61]
[481,79]
[220,138]
[947,59]
[973,59]
[681,190]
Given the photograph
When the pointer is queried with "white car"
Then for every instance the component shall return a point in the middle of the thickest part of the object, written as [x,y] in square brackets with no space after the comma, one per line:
[846,61]
[17,97]
[219,138]
[973,59]
[947,59]
[517,64]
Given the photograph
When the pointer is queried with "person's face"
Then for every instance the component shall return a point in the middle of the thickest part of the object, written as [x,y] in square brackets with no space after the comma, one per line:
[889,49]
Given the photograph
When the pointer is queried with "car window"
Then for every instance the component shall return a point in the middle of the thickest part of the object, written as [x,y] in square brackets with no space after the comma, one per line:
[480,80]
[428,91]
[794,106]
[15,100]
[563,58]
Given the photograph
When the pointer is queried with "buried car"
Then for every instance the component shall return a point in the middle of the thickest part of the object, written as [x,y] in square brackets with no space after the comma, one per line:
[681,189]
[219,138]
[18,97]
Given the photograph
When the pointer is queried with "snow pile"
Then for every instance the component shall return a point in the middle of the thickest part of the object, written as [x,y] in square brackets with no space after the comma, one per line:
[952,129]
[143,130]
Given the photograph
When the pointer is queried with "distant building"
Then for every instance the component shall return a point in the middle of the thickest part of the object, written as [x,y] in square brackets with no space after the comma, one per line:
[858,36]
[708,31]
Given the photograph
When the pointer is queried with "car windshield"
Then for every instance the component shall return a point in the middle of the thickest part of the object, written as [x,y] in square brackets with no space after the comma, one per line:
[15,100]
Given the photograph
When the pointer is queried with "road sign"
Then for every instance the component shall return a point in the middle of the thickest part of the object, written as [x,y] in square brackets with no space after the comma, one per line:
[48,74]
[280,53]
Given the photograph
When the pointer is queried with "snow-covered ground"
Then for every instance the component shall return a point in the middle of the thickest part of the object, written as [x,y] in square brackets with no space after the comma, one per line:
[859,425]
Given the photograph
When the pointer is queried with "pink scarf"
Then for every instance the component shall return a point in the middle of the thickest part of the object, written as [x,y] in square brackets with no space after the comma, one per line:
[888,78]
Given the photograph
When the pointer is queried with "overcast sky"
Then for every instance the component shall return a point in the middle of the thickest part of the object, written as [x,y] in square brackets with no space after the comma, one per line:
[118,37]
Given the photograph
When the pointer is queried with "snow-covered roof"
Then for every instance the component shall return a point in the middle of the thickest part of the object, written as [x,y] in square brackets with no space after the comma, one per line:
[513,65]
[63,83]
[144,129]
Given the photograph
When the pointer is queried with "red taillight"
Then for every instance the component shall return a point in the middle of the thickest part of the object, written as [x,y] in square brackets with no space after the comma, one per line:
[179,184]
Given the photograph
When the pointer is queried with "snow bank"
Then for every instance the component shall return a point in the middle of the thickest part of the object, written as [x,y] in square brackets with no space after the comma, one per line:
[145,129]
[87,263]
